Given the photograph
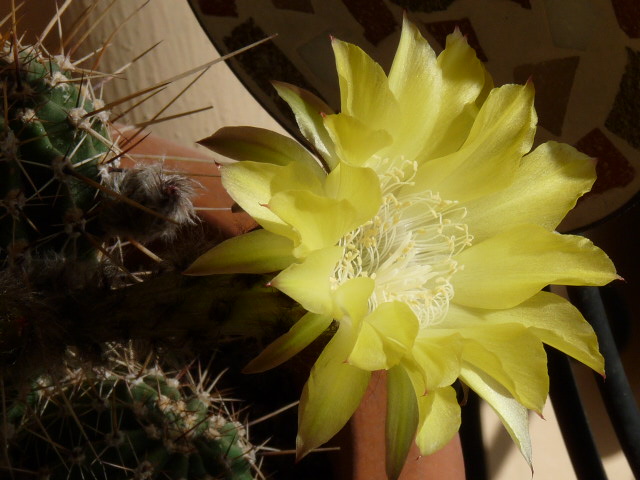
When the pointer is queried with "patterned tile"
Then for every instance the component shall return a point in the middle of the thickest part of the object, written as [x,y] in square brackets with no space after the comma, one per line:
[628,16]
[219,8]
[552,80]
[374,17]
[624,118]
[298,5]
[613,169]
[266,62]
[572,23]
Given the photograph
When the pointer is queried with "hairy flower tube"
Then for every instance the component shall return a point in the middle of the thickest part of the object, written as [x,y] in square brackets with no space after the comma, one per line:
[424,227]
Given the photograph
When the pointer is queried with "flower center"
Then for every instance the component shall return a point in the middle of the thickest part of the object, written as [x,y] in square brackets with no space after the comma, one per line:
[408,248]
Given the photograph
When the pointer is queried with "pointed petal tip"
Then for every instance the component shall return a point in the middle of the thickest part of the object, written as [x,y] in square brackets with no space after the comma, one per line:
[529,82]
[251,368]
[301,450]
[406,21]
[457,36]
[203,141]
[278,85]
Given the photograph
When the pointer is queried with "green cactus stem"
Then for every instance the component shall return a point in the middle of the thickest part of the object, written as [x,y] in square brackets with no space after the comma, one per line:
[47,127]
[127,421]
[61,189]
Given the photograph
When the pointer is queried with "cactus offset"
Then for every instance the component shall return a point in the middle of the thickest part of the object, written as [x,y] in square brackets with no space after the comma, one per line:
[128,421]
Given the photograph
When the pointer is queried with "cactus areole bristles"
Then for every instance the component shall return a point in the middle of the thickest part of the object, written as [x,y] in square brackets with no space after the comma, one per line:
[61,191]
[46,132]
[128,422]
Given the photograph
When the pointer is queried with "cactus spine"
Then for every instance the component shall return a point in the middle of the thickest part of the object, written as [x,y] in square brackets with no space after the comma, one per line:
[60,165]
[128,421]
[47,134]
[67,207]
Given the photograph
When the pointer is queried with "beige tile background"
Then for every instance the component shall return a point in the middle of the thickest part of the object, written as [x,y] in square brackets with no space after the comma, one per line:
[185,46]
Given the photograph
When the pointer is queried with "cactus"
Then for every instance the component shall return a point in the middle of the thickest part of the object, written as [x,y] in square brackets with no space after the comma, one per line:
[67,206]
[46,134]
[127,421]
[69,284]
[59,165]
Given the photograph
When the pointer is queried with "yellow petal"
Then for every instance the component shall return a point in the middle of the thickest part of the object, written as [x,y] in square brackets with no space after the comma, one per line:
[352,196]
[330,396]
[260,145]
[562,326]
[439,419]
[364,89]
[308,282]
[252,185]
[498,351]
[416,81]
[434,94]
[355,141]
[501,134]
[437,354]
[507,269]
[352,300]
[318,221]
[546,186]
[301,334]
[259,251]
[513,415]
[486,88]
[308,110]
[550,317]
[386,335]
[361,186]
[462,71]
[402,420]
[465,80]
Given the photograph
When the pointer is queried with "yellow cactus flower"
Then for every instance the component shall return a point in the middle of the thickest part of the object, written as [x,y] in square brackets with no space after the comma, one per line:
[425,231]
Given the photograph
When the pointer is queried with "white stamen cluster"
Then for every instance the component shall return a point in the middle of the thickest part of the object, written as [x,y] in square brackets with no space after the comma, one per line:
[408,248]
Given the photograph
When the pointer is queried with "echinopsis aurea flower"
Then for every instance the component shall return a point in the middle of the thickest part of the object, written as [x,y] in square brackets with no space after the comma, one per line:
[425,232]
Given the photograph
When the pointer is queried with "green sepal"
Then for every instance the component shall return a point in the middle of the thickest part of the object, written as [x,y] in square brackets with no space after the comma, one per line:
[402,420]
